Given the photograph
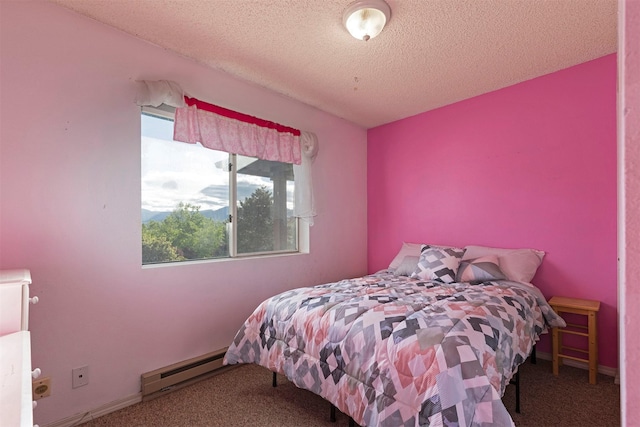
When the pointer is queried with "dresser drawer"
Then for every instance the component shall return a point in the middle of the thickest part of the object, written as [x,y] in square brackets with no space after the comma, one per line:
[16,402]
[14,301]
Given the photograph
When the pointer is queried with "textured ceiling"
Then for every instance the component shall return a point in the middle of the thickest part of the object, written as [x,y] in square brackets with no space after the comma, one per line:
[431,53]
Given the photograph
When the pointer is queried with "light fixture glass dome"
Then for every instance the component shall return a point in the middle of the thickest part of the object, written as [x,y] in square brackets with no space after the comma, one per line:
[365,19]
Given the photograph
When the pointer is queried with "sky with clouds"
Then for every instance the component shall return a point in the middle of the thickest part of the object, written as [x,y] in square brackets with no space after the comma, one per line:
[174,172]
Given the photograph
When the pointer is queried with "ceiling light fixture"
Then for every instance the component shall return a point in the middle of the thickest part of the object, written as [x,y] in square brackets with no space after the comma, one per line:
[365,19]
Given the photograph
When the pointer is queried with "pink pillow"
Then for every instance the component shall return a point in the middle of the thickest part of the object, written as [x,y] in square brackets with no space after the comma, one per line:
[519,265]
[411,250]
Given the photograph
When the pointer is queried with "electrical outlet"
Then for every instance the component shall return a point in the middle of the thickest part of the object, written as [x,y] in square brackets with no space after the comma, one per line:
[41,388]
[80,376]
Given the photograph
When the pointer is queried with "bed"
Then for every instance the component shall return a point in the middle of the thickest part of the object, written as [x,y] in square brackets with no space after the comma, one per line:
[429,348]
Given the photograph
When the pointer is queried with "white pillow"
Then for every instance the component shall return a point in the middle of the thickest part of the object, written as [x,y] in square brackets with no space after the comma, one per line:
[407,249]
[519,265]
[407,266]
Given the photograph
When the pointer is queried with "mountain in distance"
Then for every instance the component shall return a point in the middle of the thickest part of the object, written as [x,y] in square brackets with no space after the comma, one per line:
[221,214]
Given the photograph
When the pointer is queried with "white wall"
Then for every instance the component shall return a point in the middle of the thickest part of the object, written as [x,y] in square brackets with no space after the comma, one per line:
[70,207]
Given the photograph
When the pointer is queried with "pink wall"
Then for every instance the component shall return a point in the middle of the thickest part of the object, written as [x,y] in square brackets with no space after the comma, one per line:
[531,165]
[70,207]
[629,142]
[70,180]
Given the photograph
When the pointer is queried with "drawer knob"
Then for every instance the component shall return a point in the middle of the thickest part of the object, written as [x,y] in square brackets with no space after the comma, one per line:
[36,373]
[34,300]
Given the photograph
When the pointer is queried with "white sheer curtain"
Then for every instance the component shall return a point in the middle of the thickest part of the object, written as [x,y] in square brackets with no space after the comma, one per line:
[304,206]
[156,93]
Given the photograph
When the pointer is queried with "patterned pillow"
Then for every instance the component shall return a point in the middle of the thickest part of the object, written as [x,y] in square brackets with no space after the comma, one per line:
[480,270]
[438,263]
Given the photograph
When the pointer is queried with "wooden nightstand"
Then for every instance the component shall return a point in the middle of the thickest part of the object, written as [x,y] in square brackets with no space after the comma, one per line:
[584,307]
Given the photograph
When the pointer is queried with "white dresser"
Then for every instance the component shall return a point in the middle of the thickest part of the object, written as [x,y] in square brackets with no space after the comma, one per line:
[16,401]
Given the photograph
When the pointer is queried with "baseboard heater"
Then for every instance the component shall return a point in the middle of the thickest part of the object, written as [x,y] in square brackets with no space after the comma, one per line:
[178,375]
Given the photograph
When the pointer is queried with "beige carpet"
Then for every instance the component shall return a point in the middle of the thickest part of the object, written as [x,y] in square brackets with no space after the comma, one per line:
[244,397]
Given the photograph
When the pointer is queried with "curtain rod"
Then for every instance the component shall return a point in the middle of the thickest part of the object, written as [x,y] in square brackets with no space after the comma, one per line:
[201,105]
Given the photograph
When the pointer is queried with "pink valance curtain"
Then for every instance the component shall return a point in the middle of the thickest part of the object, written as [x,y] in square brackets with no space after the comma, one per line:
[221,129]
[218,128]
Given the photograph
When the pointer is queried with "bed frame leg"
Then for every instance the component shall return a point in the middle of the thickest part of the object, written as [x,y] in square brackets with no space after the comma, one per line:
[533,355]
[275,380]
[517,383]
[332,417]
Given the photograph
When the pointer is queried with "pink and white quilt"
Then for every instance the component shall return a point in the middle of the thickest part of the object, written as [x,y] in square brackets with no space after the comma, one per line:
[394,351]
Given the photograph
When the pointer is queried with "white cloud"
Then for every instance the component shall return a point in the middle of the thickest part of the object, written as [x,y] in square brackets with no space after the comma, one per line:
[174,172]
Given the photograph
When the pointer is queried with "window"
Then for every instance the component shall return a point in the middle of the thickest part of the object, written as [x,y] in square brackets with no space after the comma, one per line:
[199,203]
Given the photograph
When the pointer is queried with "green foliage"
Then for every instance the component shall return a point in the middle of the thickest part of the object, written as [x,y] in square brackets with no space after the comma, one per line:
[185,234]
[157,249]
[292,233]
[255,222]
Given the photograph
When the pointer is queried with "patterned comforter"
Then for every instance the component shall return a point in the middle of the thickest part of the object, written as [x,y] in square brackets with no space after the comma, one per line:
[395,351]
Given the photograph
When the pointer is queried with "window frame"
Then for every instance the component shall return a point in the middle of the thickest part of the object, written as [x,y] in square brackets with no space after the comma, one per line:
[301,236]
